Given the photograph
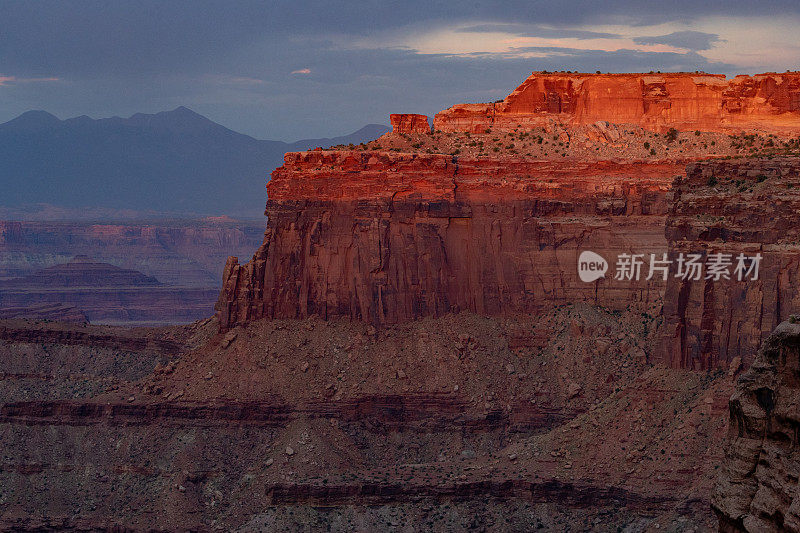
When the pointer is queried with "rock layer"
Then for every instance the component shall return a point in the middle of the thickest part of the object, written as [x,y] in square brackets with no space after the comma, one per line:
[764,102]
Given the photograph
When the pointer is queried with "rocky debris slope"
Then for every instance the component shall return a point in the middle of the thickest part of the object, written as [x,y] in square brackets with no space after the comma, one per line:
[757,489]
[43,360]
[764,102]
[443,423]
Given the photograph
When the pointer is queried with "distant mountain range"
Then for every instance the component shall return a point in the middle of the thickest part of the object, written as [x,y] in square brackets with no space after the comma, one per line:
[173,162]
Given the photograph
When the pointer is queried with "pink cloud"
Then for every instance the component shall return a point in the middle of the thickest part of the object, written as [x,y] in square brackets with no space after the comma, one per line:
[302,71]
[6,80]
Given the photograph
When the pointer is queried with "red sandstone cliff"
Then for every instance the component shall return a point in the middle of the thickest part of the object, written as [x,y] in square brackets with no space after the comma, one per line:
[765,102]
[388,237]
[409,123]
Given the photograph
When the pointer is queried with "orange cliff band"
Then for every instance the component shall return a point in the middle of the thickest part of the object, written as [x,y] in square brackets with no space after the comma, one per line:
[708,102]
[409,123]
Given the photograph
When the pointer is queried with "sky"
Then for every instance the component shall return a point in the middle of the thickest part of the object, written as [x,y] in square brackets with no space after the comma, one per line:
[295,69]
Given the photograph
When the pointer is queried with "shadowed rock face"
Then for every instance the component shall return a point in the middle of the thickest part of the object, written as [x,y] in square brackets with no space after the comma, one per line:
[734,207]
[757,486]
[765,102]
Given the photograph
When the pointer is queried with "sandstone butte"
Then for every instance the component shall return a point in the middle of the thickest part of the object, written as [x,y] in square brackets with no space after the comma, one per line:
[392,232]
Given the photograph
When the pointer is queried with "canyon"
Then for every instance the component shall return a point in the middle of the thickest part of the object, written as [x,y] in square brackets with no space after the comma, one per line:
[411,346]
[101,293]
[118,272]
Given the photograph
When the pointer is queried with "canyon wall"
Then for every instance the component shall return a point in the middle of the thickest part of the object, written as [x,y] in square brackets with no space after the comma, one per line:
[748,207]
[388,237]
[765,102]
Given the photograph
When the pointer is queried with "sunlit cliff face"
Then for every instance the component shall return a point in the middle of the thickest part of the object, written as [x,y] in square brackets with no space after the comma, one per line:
[655,101]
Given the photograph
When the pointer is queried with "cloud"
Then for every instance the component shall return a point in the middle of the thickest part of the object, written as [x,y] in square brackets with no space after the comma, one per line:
[7,80]
[690,40]
[236,80]
[507,40]
[352,65]
[536,30]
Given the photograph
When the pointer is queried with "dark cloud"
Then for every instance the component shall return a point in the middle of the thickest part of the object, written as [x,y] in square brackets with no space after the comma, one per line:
[691,40]
[233,60]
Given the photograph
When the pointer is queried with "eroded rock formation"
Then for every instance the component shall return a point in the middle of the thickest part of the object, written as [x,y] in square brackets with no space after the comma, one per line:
[427,223]
[757,486]
[655,101]
[409,123]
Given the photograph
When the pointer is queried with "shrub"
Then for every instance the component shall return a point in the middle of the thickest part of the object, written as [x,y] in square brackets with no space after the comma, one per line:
[672,134]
